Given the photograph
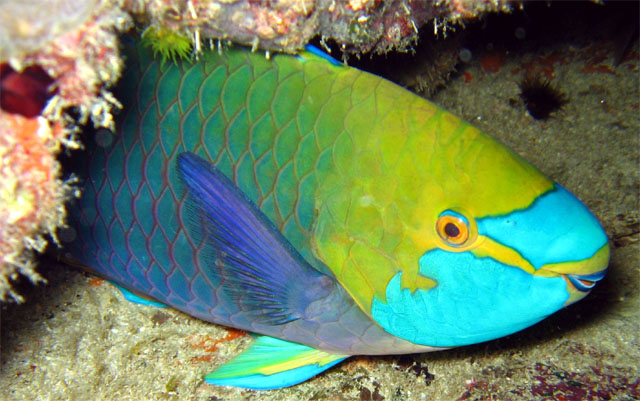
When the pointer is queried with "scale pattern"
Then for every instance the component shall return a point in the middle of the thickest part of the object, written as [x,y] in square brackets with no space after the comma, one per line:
[353,170]
[333,156]
[239,111]
[243,113]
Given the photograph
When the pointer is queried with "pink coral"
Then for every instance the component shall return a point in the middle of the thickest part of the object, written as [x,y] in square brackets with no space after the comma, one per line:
[70,47]
[31,195]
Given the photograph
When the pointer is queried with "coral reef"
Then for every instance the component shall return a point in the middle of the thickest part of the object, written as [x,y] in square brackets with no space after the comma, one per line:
[28,169]
[24,93]
[287,25]
[56,56]
[59,58]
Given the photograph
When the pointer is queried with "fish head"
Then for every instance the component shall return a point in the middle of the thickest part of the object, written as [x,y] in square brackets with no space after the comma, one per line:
[496,275]
[502,245]
[446,237]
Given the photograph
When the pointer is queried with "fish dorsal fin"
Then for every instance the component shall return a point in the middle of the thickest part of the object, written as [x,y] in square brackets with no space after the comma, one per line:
[316,51]
[271,363]
[260,271]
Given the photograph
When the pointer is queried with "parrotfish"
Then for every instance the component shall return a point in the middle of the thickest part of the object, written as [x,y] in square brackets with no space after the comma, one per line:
[325,209]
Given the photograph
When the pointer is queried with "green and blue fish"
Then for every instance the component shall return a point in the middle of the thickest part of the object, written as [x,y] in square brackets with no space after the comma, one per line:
[325,209]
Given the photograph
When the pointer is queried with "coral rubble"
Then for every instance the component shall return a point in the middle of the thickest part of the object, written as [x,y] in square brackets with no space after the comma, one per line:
[287,25]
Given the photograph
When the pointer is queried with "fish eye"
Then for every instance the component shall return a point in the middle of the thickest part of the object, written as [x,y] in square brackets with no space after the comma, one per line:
[454,229]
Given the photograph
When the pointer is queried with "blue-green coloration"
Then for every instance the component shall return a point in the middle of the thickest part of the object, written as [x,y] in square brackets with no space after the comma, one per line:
[132,297]
[325,209]
[475,310]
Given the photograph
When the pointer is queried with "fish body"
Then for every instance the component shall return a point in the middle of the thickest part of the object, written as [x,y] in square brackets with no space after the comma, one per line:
[326,209]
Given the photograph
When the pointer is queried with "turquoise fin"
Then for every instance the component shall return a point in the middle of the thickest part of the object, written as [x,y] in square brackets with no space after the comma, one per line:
[271,363]
[137,299]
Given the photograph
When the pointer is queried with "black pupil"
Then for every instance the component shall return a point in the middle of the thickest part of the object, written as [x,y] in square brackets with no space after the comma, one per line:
[451,230]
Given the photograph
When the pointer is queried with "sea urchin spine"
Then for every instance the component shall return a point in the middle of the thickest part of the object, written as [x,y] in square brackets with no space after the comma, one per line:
[540,97]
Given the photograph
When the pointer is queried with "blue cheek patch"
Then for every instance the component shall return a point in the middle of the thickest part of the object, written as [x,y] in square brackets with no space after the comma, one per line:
[475,300]
[556,228]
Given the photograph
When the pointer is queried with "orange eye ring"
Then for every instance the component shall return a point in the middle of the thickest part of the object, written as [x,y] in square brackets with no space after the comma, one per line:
[454,229]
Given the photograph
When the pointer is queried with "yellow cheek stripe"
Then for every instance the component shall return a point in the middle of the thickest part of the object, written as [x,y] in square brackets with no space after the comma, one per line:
[582,267]
[502,254]
[509,256]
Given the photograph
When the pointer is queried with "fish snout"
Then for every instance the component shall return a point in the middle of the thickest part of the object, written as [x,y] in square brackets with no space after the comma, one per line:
[557,236]
[581,276]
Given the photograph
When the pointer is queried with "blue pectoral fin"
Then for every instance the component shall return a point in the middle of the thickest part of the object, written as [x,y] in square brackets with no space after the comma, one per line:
[259,270]
[271,363]
[137,299]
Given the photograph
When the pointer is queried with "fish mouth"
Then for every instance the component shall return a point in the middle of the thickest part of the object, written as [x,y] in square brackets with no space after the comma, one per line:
[584,283]
[581,276]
